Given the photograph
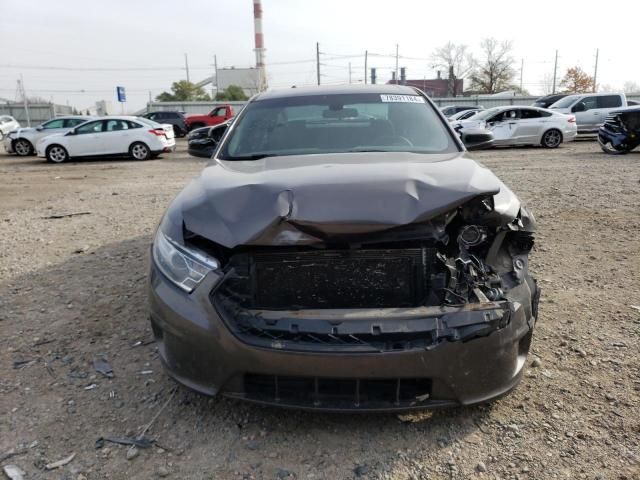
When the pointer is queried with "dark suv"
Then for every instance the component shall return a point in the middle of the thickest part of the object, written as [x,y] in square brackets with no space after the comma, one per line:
[174,118]
[343,252]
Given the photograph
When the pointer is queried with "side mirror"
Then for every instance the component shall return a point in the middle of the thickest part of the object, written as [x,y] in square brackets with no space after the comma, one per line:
[71,132]
[39,128]
[580,107]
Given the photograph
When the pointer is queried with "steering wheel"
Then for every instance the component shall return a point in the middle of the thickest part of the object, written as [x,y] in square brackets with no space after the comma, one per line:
[394,141]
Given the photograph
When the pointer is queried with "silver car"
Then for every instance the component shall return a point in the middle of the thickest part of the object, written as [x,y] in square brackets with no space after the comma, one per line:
[514,125]
[23,141]
[590,109]
[7,124]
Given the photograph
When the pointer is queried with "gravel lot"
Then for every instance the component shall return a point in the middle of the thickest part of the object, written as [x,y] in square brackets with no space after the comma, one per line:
[72,289]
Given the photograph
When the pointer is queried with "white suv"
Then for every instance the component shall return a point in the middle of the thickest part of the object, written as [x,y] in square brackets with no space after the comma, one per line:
[23,141]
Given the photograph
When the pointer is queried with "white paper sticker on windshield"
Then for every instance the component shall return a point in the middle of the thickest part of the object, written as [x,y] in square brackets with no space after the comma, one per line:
[402,98]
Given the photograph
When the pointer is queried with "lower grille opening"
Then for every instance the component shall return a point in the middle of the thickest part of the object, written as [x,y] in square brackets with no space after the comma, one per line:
[338,393]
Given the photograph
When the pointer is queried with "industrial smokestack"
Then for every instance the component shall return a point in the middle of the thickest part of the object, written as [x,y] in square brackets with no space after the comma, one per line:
[259,40]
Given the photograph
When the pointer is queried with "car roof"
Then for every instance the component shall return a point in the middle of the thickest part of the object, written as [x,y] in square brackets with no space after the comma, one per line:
[64,117]
[336,90]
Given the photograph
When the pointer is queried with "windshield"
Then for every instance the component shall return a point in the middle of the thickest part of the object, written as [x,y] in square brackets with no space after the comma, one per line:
[487,113]
[337,123]
[565,102]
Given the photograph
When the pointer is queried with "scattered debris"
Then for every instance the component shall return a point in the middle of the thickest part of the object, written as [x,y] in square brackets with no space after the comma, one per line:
[163,471]
[60,463]
[415,417]
[132,453]
[101,365]
[91,387]
[481,467]
[82,249]
[11,453]
[536,363]
[44,342]
[140,442]
[18,364]
[146,372]
[635,307]
[13,472]
[64,215]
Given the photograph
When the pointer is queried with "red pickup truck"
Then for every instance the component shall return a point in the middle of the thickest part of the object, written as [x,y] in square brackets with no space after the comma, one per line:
[219,114]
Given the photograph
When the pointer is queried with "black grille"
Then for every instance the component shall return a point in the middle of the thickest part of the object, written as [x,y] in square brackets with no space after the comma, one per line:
[332,278]
[338,393]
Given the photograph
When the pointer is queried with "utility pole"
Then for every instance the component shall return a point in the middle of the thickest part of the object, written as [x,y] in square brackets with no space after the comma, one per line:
[215,72]
[595,73]
[555,72]
[186,66]
[521,70]
[24,99]
[349,72]
[366,54]
[318,61]
[396,71]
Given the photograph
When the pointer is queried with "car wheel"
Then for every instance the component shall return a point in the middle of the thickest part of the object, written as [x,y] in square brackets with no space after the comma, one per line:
[23,147]
[57,154]
[611,150]
[139,151]
[551,139]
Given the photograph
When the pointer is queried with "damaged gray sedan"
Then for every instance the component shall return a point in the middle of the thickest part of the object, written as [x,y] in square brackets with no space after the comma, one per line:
[342,252]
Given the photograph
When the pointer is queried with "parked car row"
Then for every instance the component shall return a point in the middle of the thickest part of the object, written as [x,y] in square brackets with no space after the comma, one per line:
[65,138]
[584,114]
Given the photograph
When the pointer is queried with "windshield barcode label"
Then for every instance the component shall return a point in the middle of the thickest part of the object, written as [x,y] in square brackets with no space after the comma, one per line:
[402,98]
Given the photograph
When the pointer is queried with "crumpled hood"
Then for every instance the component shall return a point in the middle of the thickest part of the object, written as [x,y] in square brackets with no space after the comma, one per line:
[21,131]
[312,198]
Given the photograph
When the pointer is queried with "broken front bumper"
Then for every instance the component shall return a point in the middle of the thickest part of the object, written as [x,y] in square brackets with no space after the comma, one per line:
[206,353]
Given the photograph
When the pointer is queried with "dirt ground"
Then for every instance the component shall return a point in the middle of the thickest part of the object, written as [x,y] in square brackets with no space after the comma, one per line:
[73,288]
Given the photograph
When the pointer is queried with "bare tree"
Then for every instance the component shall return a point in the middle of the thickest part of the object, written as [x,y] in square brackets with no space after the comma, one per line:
[494,71]
[547,83]
[631,87]
[452,55]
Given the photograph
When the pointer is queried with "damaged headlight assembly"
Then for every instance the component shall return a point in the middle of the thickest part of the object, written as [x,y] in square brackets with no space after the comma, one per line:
[185,267]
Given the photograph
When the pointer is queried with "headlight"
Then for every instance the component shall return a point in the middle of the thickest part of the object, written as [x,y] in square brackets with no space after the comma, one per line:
[184,267]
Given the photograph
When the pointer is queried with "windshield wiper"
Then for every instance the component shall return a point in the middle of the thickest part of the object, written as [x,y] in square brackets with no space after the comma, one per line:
[369,150]
[253,156]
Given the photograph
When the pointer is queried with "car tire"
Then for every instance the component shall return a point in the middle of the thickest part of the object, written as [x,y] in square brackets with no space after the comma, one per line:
[57,154]
[178,131]
[139,151]
[608,148]
[22,147]
[551,138]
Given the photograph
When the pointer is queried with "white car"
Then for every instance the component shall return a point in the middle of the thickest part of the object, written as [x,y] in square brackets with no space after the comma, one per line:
[514,125]
[136,137]
[7,124]
[23,141]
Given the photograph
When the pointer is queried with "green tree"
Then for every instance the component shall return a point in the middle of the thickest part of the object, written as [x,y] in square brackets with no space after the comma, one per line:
[231,93]
[183,91]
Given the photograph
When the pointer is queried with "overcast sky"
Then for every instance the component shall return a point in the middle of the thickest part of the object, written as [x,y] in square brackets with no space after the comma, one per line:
[59,46]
